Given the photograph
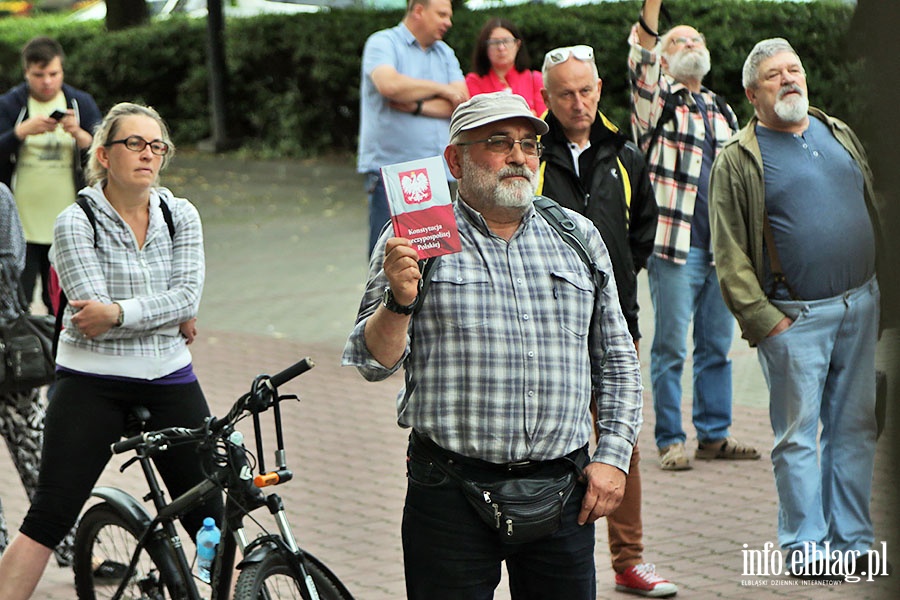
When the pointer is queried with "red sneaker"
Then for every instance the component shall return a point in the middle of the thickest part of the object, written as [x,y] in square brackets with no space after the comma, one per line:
[642,580]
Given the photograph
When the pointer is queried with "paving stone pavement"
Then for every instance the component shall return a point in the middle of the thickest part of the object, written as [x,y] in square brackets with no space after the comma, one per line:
[285,243]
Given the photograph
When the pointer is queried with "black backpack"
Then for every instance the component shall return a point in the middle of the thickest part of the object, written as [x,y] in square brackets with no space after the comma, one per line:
[82,202]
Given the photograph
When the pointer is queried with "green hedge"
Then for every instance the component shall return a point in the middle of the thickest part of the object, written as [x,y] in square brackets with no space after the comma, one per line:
[294,80]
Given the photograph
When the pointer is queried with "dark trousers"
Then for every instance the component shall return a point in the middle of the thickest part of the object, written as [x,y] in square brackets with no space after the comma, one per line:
[37,263]
[449,553]
[85,416]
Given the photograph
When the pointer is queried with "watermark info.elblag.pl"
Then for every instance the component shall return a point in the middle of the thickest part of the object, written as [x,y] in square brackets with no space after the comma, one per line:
[811,562]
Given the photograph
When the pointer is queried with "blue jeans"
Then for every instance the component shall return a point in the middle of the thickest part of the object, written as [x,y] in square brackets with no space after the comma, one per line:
[379,213]
[823,368]
[449,553]
[681,293]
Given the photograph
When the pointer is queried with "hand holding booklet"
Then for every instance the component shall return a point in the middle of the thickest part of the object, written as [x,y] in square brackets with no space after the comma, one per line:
[421,208]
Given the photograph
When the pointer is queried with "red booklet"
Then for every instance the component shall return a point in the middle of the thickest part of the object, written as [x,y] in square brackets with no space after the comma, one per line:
[420,203]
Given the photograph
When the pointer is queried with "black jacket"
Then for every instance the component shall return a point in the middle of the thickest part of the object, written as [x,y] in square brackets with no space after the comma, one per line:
[14,110]
[626,221]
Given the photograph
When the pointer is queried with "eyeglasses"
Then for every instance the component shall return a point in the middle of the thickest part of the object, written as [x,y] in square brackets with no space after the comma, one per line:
[696,39]
[507,42]
[503,144]
[136,143]
[561,55]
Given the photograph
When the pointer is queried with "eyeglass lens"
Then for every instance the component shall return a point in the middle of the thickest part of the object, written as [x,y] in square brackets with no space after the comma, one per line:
[137,144]
[504,144]
[504,42]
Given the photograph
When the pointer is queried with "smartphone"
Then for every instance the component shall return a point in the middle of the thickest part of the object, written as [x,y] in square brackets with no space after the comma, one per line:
[57,114]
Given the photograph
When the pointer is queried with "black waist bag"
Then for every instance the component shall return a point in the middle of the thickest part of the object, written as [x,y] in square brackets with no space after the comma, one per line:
[520,509]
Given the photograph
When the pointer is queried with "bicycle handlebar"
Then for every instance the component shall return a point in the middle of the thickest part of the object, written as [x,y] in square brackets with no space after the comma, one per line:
[163,435]
[216,425]
[295,370]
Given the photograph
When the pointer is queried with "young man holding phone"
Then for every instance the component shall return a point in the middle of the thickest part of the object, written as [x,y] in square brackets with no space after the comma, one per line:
[45,131]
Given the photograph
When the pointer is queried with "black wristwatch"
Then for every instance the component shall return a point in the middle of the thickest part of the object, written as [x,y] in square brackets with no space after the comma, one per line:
[391,304]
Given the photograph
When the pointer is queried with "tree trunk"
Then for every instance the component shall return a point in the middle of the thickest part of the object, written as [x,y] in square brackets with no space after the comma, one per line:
[122,14]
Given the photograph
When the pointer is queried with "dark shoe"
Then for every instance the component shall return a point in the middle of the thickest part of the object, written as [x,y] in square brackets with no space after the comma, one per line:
[109,571]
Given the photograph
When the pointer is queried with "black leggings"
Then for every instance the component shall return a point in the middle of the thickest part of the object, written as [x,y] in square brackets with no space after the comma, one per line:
[85,416]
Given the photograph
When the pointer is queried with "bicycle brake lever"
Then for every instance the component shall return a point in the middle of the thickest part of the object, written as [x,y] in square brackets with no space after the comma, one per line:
[128,463]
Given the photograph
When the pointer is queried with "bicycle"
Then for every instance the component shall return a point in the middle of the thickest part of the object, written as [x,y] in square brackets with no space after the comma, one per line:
[119,531]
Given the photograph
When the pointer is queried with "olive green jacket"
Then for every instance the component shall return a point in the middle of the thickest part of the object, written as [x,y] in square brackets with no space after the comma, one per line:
[736,209]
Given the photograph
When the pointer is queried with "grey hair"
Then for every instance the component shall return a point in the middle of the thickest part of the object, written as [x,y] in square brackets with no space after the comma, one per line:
[109,127]
[762,51]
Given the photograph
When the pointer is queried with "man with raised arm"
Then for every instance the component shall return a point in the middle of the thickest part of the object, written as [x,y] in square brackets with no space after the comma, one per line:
[683,125]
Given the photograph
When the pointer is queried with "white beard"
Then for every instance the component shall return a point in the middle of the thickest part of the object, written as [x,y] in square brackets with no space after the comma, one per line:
[791,109]
[484,185]
[685,64]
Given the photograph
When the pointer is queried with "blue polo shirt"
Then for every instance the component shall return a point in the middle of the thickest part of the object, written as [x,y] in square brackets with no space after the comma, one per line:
[816,205]
[388,136]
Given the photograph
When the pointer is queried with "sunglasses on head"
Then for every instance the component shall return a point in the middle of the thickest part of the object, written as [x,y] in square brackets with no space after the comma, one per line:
[561,55]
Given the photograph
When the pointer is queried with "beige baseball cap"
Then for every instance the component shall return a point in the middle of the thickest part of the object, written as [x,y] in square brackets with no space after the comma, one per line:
[489,108]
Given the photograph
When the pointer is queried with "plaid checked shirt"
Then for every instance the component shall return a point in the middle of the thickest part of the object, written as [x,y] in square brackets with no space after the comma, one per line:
[157,285]
[678,153]
[499,367]
[12,255]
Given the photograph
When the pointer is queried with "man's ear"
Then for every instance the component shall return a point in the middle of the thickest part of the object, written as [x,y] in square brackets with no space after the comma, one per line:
[546,96]
[599,87]
[751,95]
[454,160]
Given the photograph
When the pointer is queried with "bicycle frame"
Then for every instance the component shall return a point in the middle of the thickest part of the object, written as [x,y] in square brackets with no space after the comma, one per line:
[160,537]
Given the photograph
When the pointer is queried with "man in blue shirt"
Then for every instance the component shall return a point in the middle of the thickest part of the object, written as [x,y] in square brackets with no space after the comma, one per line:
[411,82]
[796,238]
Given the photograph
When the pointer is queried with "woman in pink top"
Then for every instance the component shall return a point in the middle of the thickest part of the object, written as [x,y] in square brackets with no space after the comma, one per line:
[500,62]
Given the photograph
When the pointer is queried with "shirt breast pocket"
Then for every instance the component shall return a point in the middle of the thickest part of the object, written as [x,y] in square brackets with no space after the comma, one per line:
[573,294]
[460,297]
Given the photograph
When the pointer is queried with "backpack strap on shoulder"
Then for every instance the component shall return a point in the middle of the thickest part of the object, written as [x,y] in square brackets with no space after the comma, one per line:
[668,113]
[167,216]
[82,202]
[557,217]
[84,205]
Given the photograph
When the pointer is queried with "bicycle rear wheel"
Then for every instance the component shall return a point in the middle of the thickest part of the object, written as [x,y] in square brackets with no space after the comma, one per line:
[272,578]
[104,545]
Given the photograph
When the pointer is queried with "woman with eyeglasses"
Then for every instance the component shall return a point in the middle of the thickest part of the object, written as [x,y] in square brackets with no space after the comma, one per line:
[500,63]
[133,279]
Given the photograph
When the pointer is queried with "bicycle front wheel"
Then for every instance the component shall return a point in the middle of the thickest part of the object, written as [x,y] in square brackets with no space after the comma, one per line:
[273,578]
[104,545]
